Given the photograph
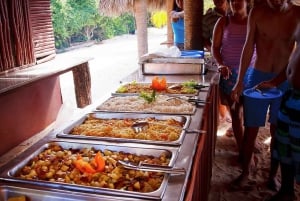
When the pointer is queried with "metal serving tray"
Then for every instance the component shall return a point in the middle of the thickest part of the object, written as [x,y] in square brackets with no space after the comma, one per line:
[146,111]
[45,194]
[185,120]
[116,93]
[9,174]
[173,66]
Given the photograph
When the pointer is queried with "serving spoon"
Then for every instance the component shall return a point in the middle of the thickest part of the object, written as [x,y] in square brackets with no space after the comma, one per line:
[140,126]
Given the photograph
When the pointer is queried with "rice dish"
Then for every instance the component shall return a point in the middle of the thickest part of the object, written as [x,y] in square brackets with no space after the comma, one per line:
[162,104]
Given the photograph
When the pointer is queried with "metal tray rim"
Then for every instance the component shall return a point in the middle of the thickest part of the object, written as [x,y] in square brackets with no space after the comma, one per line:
[64,133]
[25,158]
[134,94]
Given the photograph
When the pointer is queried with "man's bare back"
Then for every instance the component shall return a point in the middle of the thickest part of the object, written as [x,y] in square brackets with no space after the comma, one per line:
[274,37]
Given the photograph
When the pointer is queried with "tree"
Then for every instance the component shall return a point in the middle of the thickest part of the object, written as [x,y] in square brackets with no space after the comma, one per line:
[59,16]
[82,15]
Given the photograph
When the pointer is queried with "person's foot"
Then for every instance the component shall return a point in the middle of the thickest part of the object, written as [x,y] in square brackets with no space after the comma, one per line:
[256,150]
[229,132]
[282,197]
[273,184]
[243,183]
[228,120]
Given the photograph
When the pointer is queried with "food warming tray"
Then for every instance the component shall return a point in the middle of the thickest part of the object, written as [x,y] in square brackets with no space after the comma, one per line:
[9,175]
[185,120]
[34,193]
[173,66]
[146,87]
[136,104]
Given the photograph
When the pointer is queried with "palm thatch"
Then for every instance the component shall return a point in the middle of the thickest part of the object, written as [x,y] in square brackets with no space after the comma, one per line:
[118,7]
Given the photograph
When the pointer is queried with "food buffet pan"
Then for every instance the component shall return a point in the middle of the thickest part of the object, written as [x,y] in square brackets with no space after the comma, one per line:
[173,66]
[128,106]
[45,194]
[184,120]
[178,89]
[10,174]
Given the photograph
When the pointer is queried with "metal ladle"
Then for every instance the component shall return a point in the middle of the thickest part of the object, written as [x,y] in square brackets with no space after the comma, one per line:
[140,126]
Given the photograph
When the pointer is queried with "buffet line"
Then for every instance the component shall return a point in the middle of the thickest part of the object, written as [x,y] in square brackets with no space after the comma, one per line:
[139,144]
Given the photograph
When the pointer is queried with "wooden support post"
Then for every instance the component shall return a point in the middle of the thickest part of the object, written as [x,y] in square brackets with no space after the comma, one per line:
[82,84]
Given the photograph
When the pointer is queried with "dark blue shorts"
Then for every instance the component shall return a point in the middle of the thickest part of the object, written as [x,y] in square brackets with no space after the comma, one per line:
[287,136]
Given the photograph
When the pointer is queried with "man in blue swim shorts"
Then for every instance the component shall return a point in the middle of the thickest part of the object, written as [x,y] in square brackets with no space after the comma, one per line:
[273,49]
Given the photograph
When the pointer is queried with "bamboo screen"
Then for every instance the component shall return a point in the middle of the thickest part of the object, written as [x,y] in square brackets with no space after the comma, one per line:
[42,29]
[16,38]
[26,33]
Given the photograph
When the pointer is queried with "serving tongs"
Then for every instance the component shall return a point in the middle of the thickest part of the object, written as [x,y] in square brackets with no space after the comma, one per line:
[151,168]
[197,101]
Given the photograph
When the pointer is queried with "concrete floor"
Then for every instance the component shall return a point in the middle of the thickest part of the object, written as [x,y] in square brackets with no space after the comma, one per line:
[113,60]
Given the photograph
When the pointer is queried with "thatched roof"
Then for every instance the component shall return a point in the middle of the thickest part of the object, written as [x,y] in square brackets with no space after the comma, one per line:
[117,7]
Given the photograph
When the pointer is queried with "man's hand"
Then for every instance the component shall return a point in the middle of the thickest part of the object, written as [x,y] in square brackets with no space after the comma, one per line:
[225,71]
[265,85]
[237,92]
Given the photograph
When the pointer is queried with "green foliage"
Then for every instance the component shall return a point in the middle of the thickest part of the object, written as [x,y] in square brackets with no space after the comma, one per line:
[79,20]
[59,23]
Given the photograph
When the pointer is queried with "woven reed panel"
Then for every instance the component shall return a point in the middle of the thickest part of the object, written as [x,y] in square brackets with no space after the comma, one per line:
[42,28]
[15,35]
[6,53]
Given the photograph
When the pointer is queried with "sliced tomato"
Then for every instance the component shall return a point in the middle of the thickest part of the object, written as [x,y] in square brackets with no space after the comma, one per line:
[159,84]
[84,166]
[100,162]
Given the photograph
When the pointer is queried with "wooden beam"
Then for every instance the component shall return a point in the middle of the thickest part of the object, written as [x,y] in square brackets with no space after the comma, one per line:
[82,83]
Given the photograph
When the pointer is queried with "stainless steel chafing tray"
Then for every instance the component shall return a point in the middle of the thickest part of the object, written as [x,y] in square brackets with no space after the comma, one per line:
[173,66]
[195,93]
[185,120]
[37,194]
[14,167]
[149,108]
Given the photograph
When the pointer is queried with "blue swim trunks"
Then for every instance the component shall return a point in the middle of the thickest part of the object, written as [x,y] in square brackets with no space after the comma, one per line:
[287,136]
[227,85]
[255,115]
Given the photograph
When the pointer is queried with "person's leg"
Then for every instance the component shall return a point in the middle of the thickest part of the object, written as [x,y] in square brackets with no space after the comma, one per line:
[274,163]
[286,192]
[248,147]
[250,135]
[237,124]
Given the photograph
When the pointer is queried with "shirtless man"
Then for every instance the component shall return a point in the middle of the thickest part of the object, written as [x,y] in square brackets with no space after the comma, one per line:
[270,30]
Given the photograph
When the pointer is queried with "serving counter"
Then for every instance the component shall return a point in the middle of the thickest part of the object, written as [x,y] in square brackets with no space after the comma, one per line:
[195,154]
[31,97]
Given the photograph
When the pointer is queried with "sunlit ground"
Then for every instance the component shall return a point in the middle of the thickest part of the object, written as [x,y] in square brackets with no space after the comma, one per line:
[225,126]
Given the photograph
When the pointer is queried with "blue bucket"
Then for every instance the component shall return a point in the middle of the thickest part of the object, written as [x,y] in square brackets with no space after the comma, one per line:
[260,100]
